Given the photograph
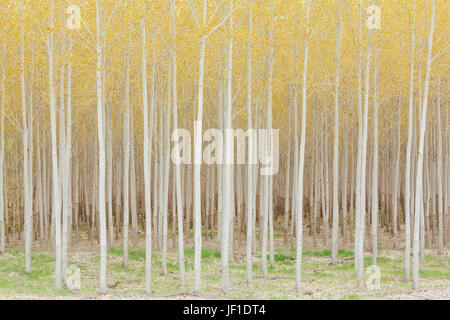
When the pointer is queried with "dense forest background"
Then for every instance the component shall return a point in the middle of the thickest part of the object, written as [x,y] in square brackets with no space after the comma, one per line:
[92,93]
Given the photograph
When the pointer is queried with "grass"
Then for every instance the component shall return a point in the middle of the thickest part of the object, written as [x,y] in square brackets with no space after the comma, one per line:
[133,254]
[327,253]
[284,258]
[319,276]
[437,274]
[352,297]
[206,253]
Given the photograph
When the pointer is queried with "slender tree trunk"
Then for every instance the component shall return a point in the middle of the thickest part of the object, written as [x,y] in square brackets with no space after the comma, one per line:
[102,158]
[109,176]
[56,205]
[408,158]
[147,167]
[359,156]
[271,218]
[197,167]
[326,217]
[439,172]
[134,217]
[126,163]
[179,200]
[335,231]
[287,182]
[2,153]
[67,196]
[361,187]
[419,175]
[228,166]
[396,179]
[166,173]
[38,190]
[26,173]
[374,230]
[299,191]
[62,162]
[345,189]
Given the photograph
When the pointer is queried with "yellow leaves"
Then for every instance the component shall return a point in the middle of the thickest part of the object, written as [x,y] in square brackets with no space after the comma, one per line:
[123,33]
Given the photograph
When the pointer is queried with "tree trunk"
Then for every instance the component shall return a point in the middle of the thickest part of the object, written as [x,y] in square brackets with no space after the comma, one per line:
[102,158]
[2,153]
[56,205]
[147,167]
[408,160]
[126,163]
[419,175]
[374,230]
[299,191]
[335,232]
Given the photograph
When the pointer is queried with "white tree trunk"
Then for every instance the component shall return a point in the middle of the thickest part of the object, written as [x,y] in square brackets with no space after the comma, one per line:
[228,167]
[345,189]
[109,176]
[66,174]
[56,205]
[269,146]
[147,168]
[335,231]
[197,164]
[396,179]
[408,159]
[374,231]
[126,163]
[439,173]
[2,152]
[250,149]
[166,165]
[134,218]
[299,190]
[359,157]
[102,156]
[361,186]
[179,200]
[419,174]
[25,139]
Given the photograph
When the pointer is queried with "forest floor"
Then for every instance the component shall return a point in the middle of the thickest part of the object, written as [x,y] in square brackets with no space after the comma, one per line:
[321,279]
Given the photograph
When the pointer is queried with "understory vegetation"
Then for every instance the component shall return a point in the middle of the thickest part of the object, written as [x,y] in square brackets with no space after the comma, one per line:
[322,280]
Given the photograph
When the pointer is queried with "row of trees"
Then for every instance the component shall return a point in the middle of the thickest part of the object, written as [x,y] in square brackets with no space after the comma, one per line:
[363,113]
